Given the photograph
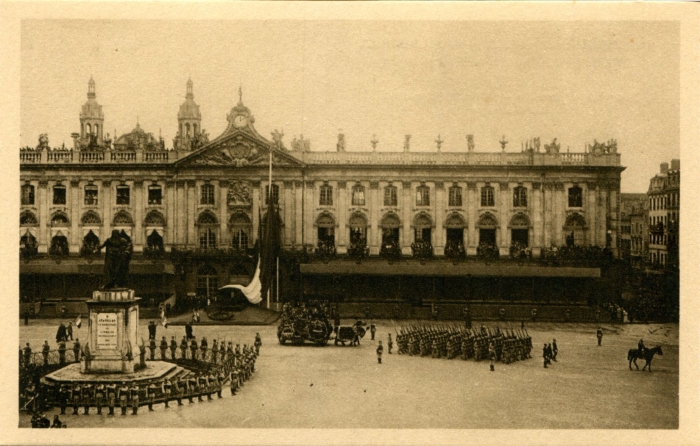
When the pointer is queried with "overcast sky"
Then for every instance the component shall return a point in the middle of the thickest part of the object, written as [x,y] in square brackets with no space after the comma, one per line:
[573,81]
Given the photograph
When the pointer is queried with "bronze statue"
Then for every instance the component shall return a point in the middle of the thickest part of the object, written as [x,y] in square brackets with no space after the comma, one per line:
[117,258]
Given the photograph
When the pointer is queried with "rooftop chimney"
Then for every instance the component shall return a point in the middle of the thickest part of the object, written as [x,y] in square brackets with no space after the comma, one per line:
[676,164]
[664,168]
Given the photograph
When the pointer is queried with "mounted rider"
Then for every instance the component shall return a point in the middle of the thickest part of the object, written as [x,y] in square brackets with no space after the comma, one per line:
[641,347]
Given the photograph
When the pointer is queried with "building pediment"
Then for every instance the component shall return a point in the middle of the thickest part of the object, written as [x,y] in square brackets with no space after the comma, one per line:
[239,149]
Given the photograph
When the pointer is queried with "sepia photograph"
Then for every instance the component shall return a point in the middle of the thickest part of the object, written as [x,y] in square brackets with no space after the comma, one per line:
[359,222]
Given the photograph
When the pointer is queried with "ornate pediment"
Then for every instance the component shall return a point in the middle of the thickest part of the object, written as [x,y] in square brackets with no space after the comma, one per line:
[238,150]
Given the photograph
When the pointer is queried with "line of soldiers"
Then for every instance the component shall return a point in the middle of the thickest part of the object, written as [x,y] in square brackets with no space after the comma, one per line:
[199,352]
[449,341]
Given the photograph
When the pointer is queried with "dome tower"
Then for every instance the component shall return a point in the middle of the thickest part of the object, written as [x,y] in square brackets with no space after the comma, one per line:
[91,118]
[189,121]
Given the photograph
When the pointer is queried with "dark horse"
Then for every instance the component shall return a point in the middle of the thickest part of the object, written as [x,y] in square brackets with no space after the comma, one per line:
[648,355]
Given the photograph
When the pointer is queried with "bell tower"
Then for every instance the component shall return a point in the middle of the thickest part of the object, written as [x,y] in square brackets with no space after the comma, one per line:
[189,121]
[91,118]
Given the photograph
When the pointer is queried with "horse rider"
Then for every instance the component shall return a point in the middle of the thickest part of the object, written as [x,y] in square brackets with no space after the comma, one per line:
[641,347]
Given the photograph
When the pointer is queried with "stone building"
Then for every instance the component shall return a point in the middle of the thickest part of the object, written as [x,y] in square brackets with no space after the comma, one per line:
[361,225]
[632,207]
[664,215]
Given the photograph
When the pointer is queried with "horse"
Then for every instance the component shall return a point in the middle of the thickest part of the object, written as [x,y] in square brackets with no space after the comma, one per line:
[648,355]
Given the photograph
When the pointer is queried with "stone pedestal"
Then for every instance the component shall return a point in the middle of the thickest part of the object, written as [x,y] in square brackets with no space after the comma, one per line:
[113,332]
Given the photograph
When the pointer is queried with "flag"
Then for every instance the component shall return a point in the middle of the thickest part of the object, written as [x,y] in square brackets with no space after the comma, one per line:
[252,292]
[78,321]
[269,248]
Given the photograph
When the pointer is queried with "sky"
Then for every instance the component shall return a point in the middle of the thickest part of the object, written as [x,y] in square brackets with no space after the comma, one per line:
[574,81]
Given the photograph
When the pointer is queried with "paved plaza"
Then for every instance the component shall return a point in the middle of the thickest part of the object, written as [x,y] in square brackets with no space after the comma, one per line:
[344,387]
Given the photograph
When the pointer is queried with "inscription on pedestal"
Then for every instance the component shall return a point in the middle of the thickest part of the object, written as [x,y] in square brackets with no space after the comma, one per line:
[106,331]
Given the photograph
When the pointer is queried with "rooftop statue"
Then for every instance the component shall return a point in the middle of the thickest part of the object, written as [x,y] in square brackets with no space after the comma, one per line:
[407,143]
[470,143]
[341,142]
[277,138]
[43,142]
[552,148]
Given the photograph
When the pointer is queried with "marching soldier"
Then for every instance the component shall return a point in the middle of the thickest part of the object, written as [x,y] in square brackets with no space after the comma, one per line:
[87,395]
[167,390]
[63,395]
[76,398]
[152,348]
[173,348]
[380,350]
[151,395]
[111,397]
[204,347]
[134,395]
[183,347]
[258,343]
[234,381]
[193,348]
[99,397]
[214,351]
[163,348]
[123,394]
[192,388]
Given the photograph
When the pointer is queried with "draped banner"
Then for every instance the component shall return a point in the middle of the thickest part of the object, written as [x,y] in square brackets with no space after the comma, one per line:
[252,292]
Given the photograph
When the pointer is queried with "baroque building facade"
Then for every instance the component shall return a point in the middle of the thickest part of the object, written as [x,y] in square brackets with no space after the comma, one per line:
[193,212]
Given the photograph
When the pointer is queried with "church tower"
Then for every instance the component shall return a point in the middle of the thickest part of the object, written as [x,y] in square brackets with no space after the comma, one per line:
[91,119]
[189,122]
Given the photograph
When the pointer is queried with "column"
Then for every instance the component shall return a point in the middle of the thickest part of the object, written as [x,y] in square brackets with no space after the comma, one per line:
[439,235]
[170,212]
[471,233]
[601,212]
[503,215]
[341,235]
[298,214]
[73,201]
[43,238]
[558,213]
[222,203]
[537,242]
[613,206]
[139,201]
[289,220]
[548,214]
[591,219]
[406,235]
[191,206]
[256,206]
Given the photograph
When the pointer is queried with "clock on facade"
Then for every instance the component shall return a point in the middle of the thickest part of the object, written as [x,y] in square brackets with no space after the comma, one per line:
[240,121]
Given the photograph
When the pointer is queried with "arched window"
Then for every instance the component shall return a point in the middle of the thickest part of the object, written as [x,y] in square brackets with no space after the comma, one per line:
[487,221]
[187,128]
[194,129]
[28,244]
[207,218]
[89,129]
[487,196]
[390,229]
[207,238]
[358,195]
[575,228]
[423,226]
[208,229]
[154,218]
[59,245]
[91,244]
[122,218]
[60,219]
[154,241]
[326,229]
[207,281]
[91,219]
[358,229]
[96,129]
[27,218]
[575,197]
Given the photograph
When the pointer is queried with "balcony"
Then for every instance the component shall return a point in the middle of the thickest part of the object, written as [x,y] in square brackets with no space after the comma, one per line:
[60,156]
[422,249]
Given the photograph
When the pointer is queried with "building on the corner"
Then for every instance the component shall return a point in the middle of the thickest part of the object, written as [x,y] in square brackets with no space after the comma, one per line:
[664,216]
[631,206]
[405,226]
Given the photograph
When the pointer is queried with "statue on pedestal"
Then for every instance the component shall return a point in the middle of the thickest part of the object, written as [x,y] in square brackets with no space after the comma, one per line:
[117,258]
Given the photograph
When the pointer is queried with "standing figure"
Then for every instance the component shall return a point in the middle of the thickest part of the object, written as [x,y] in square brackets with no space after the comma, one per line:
[45,352]
[111,397]
[117,258]
[214,351]
[258,343]
[183,348]
[69,331]
[152,348]
[380,350]
[492,355]
[544,355]
[163,348]
[188,331]
[599,335]
[123,395]
[76,350]
[62,353]
[204,347]
[390,343]
[99,397]
[167,390]
[555,350]
[372,330]
[61,333]
[134,395]
[173,347]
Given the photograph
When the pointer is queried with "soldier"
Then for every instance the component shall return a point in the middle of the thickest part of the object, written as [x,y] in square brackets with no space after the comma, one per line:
[229,350]
[220,378]
[380,350]
[111,397]
[173,348]
[435,352]
[134,394]
[544,355]
[238,351]
[201,386]
[192,388]
[152,348]
[63,395]
[76,350]
[179,387]
[151,395]
[372,330]
[99,397]
[27,355]
[62,352]
[123,395]
[204,347]
[87,395]
[193,348]
[211,385]
[30,396]
[258,343]
[390,343]
[163,348]
[492,355]
[45,352]
[214,351]
[183,347]
[234,381]
[76,398]
[555,350]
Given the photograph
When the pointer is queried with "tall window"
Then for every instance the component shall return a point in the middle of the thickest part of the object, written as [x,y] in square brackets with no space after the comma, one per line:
[59,194]
[207,281]
[455,198]
[155,195]
[487,196]
[207,238]
[123,194]
[358,195]
[390,197]
[240,239]
[90,195]
[519,197]
[275,196]
[207,194]
[423,196]
[575,197]
[326,197]
[27,194]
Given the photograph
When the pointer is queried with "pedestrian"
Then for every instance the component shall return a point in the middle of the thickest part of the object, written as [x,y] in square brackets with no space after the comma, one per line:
[380,350]
[599,335]
[549,353]
[390,343]
[492,355]
[26,318]
[76,350]
[61,333]
[372,330]
[45,352]
[555,350]
[544,355]
[69,331]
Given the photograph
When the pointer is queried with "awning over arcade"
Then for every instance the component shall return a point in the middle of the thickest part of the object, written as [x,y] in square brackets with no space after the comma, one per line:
[443,269]
[71,266]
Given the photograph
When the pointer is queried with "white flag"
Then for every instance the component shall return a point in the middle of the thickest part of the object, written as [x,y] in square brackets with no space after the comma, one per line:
[253,291]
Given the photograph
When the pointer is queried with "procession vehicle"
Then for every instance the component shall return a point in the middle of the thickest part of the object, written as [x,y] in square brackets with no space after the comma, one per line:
[348,334]
[304,324]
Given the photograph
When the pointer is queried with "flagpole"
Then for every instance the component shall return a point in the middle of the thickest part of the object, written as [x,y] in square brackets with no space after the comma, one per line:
[277,299]
[269,214]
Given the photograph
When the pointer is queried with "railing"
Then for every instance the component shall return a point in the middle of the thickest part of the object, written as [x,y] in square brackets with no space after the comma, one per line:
[60,157]
[422,250]
[30,157]
[574,158]
[92,157]
[153,157]
[123,156]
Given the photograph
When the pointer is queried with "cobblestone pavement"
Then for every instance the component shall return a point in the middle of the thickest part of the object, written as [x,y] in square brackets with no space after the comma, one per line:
[344,387]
